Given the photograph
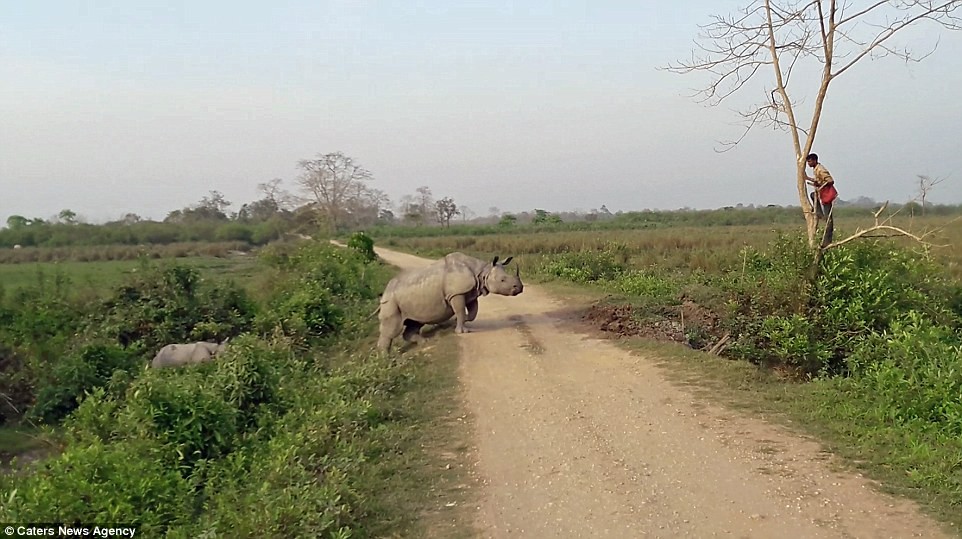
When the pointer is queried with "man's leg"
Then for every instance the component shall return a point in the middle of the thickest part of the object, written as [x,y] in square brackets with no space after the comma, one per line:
[829,222]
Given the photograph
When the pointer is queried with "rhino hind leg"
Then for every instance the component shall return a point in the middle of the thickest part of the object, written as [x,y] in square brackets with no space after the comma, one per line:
[391,327]
[472,307]
[412,331]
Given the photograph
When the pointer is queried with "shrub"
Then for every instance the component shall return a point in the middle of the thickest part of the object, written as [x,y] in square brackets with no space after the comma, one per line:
[913,373]
[99,482]
[363,245]
[652,287]
[234,232]
[587,266]
[174,305]
[248,374]
[184,413]
[16,387]
[89,367]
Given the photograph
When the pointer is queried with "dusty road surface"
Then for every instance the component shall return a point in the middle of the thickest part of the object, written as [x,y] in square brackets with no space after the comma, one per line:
[576,438]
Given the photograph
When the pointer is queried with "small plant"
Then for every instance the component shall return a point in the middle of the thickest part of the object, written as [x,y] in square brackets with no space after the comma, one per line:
[363,244]
[585,266]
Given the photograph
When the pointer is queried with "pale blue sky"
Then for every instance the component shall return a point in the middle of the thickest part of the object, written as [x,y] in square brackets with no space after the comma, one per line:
[126,105]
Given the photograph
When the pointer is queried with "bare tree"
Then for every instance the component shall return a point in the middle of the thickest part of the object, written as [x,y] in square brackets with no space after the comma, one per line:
[925,185]
[425,202]
[445,209]
[365,206]
[332,183]
[782,35]
[465,212]
[214,203]
[279,197]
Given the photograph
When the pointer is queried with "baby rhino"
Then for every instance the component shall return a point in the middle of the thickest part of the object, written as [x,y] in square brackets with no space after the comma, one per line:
[176,355]
[448,287]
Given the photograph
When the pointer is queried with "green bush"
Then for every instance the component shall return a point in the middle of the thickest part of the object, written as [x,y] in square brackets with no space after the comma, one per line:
[913,373]
[363,245]
[184,413]
[79,372]
[587,266]
[777,312]
[648,285]
[98,482]
[303,313]
[248,374]
[234,232]
[174,305]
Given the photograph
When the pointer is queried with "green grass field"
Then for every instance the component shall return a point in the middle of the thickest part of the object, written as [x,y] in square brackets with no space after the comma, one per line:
[96,277]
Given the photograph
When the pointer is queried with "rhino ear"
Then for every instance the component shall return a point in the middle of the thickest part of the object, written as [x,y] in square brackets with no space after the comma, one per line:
[506,261]
[495,261]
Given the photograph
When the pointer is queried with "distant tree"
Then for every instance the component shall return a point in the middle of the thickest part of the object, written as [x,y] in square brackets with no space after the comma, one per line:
[425,201]
[15,222]
[507,220]
[542,217]
[387,216]
[445,209]
[332,183]
[365,206]
[279,197]
[925,185]
[67,217]
[174,216]
[494,211]
[130,218]
[465,212]
[412,214]
[257,211]
[214,205]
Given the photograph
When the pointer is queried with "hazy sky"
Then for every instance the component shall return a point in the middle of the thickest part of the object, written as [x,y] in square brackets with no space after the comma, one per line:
[115,106]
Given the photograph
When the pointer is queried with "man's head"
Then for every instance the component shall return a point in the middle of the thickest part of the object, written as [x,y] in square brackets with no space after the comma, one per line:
[812,160]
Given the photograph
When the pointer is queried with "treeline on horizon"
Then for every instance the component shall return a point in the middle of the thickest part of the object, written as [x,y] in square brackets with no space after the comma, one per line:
[254,230]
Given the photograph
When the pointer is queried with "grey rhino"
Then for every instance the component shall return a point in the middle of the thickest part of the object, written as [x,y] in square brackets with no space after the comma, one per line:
[177,355]
[448,287]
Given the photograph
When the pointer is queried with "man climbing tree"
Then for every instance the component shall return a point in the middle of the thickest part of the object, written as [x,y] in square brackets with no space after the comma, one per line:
[823,196]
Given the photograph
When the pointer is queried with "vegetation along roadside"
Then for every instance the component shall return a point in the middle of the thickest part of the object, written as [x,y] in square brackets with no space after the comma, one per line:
[298,429]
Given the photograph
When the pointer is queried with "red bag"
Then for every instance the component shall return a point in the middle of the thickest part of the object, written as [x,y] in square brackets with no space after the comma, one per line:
[827,194]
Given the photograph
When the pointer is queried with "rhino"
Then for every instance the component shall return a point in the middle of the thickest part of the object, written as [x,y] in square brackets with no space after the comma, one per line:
[448,287]
[177,355]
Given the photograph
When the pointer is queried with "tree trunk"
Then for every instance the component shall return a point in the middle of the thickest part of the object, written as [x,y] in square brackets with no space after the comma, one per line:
[811,222]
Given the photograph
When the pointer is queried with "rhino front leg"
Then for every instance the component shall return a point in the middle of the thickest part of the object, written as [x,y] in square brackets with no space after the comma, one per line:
[458,304]
[412,331]
[472,310]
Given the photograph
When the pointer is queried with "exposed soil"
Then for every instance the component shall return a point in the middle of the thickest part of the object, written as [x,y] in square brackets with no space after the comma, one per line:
[575,437]
[689,323]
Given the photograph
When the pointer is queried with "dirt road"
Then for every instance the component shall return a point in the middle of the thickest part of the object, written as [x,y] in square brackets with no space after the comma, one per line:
[578,438]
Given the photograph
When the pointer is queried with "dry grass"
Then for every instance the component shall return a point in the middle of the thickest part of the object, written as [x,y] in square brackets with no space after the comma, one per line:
[709,249]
